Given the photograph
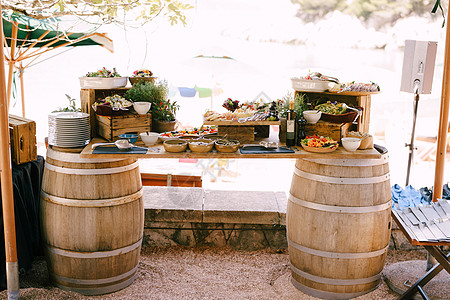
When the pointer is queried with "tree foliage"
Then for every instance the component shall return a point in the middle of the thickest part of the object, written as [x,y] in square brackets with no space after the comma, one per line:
[109,11]
[380,11]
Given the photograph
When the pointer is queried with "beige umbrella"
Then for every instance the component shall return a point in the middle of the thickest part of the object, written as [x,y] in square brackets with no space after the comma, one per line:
[12,267]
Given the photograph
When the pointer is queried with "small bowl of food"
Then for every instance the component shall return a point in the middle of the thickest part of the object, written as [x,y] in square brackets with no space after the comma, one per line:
[201,145]
[175,145]
[131,137]
[227,146]
[142,108]
[149,138]
[351,143]
[312,116]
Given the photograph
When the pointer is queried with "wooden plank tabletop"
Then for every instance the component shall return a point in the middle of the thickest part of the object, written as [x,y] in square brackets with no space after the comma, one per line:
[157,151]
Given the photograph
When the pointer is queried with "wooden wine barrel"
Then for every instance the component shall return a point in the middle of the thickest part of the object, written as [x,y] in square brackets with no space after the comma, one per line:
[338,225]
[92,219]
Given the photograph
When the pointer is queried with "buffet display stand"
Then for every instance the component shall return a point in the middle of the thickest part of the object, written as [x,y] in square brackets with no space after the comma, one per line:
[338,214]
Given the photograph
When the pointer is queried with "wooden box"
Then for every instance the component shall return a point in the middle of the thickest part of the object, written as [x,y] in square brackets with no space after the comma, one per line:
[89,96]
[22,135]
[332,130]
[359,99]
[110,127]
[244,134]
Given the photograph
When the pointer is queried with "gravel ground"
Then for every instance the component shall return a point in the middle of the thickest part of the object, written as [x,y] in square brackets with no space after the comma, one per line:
[201,273]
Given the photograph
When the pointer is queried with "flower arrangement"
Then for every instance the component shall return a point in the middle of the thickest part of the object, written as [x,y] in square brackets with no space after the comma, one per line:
[143,73]
[104,73]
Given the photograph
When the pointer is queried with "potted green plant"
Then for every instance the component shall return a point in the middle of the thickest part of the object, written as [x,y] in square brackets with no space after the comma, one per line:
[163,110]
[71,108]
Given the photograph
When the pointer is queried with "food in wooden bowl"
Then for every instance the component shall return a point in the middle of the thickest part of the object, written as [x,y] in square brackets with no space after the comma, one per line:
[319,144]
[175,145]
[227,146]
[201,145]
[336,112]
[114,105]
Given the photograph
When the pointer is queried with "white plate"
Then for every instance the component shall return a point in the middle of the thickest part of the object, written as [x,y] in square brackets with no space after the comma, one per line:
[103,83]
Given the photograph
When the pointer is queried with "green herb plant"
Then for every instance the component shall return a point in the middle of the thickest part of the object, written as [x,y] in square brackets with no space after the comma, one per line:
[300,104]
[156,93]
[71,108]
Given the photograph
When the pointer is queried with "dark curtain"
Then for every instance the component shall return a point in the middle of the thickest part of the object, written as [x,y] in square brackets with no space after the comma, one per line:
[27,179]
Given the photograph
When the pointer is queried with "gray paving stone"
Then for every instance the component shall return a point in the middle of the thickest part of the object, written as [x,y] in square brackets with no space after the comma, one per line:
[242,207]
[174,204]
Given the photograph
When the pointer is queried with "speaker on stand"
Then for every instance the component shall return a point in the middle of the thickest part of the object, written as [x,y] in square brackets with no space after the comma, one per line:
[417,78]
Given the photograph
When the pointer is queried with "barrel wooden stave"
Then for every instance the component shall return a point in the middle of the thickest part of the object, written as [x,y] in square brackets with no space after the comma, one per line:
[92,217]
[335,251]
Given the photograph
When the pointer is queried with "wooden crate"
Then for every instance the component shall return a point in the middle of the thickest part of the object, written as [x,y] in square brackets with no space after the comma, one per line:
[22,135]
[244,134]
[360,99]
[110,127]
[89,96]
[332,130]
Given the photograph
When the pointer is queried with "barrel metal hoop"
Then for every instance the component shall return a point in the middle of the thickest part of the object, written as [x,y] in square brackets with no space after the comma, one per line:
[75,158]
[341,255]
[349,162]
[334,281]
[97,254]
[328,295]
[93,202]
[341,180]
[104,171]
[341,209]
[96,281]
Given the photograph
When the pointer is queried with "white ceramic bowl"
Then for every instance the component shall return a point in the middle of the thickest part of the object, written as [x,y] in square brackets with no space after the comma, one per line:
[312,116]
[351,143]
[300,84]
[103,83]
[149,138]
[142,107]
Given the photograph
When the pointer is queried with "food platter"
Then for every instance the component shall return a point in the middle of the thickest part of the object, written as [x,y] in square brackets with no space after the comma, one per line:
[188,133]
[320,150]
[319,144]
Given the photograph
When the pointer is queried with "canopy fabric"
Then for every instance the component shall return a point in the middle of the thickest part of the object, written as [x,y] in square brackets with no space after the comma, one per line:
[25,38]
[41,33]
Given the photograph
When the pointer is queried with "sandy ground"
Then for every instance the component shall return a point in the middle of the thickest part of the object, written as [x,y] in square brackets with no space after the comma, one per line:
[201,273]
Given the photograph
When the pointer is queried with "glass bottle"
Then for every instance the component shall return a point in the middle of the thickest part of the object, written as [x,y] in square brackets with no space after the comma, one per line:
[301,131]
[290,125]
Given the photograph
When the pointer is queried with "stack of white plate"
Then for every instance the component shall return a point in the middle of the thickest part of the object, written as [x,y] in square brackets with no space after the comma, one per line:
[68,129]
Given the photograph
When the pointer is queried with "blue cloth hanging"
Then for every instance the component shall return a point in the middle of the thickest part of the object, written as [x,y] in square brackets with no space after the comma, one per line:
[187,92]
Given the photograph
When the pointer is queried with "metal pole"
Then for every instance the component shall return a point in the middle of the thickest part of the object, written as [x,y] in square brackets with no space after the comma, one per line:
[12,267]
[411,144]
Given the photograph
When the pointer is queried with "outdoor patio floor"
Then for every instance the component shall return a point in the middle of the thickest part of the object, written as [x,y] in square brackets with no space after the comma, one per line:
[202,273]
